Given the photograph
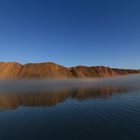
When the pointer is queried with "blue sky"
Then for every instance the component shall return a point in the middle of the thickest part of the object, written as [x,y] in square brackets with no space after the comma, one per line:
[71,32]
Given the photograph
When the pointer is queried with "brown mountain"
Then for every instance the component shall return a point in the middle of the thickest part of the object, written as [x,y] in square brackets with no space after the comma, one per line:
[12,70]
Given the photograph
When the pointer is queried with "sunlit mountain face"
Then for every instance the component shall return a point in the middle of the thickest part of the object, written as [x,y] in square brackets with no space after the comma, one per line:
[13,70]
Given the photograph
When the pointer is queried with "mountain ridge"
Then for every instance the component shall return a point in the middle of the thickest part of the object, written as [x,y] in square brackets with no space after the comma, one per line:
[14,70]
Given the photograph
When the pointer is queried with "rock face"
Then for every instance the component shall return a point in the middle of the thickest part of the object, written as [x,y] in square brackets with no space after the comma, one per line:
[9,70]
[12,70]
[44,70]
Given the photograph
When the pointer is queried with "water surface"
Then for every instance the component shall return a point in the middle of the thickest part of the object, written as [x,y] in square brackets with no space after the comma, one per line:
[66,110]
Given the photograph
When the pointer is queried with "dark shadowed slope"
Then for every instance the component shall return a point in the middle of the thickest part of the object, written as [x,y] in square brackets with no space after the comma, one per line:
[12,70]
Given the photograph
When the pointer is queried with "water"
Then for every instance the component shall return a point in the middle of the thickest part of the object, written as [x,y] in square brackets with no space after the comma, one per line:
[109,111]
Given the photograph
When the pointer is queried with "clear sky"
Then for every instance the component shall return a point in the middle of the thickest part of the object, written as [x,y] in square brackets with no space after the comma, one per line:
[71,32]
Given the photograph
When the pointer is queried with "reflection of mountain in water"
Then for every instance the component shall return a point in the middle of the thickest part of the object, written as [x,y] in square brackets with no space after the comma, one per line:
[14,100]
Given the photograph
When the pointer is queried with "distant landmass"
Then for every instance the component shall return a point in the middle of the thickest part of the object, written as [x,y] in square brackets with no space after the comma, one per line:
[13,70]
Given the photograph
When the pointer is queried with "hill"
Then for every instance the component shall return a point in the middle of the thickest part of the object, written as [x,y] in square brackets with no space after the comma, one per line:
[13,70]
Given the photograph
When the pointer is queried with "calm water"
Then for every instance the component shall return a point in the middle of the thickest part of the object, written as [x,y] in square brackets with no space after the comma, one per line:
[109,112]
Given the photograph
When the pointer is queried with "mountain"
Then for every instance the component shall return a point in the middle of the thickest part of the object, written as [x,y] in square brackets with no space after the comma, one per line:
[13,70]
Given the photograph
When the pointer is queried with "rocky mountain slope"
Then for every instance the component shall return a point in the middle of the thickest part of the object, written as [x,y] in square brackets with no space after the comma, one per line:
[12,70]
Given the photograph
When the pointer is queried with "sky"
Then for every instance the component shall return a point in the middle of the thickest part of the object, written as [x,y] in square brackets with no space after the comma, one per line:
[71,32]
